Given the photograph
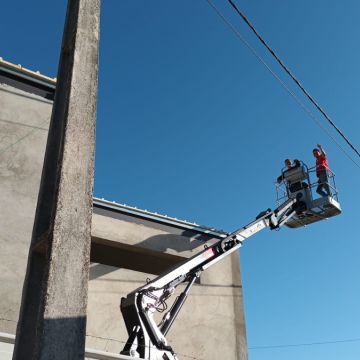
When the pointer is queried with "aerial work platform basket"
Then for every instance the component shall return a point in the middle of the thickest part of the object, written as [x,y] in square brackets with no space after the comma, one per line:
[301,182]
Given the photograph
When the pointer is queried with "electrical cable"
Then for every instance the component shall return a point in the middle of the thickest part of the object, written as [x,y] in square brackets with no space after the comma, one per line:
[303,344]
[287,89]
[292,76]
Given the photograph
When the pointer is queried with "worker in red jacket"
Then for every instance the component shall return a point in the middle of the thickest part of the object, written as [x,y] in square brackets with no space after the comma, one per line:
[322,168]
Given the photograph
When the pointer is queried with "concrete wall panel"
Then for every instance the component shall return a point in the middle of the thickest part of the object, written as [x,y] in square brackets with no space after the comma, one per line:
[24,119]
[213,313]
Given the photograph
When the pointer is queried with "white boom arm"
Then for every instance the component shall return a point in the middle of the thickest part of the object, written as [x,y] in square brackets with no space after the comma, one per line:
[146,338]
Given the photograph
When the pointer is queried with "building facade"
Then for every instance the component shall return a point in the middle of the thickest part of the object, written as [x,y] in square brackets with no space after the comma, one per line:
[129,245]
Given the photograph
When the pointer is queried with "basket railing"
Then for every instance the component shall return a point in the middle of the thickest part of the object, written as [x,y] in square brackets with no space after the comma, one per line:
[283,192]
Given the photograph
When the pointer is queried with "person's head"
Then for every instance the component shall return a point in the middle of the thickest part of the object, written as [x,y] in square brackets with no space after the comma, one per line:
[316,152]
[288,163]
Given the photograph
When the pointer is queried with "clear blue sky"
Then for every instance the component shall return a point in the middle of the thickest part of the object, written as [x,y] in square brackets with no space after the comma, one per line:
[191,125]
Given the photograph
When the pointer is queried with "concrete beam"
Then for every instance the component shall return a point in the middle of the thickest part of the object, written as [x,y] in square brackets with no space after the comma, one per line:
[53,311]
[124,256]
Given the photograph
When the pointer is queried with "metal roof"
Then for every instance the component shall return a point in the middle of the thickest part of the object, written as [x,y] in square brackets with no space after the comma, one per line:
[145,214]
[27,73]
[32,82]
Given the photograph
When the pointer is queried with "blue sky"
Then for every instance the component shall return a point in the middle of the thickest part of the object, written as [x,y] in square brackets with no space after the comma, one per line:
[191,125]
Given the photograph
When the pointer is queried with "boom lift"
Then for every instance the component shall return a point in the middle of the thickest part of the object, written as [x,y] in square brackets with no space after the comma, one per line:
[300,182]
[296,207]
[146,337]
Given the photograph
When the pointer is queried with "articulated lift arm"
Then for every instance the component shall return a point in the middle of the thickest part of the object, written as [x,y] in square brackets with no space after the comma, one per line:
[146,337]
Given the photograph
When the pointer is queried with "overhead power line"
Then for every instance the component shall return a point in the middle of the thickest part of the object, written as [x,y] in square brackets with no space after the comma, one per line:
[264,347]
[297,100]
[292,76]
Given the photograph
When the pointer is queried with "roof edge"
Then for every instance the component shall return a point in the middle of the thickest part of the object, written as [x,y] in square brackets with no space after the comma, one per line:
[145,214]
[19,68]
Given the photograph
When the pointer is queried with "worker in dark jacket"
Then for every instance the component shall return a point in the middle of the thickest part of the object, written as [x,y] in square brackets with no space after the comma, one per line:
[322,168]
[289,165]
[293,186]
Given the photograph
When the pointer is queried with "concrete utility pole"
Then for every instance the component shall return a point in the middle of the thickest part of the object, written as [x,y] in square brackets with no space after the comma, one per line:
[52,320]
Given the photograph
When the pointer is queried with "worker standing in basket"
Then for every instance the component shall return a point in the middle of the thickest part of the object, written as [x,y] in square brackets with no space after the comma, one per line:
[292,185]
[322,168]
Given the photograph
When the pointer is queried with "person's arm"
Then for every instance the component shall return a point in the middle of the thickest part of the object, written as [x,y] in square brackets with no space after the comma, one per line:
[321,150]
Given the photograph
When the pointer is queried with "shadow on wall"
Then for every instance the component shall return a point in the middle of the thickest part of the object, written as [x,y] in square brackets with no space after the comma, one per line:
[187,241]
[64,339]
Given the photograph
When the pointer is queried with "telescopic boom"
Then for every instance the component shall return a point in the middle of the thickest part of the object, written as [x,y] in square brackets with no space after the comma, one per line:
[146,337]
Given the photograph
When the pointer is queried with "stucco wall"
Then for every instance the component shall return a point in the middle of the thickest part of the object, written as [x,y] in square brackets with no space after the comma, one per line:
[213,314]
[24,120]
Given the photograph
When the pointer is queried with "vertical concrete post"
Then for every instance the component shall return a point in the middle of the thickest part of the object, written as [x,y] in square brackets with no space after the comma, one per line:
[53,311]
